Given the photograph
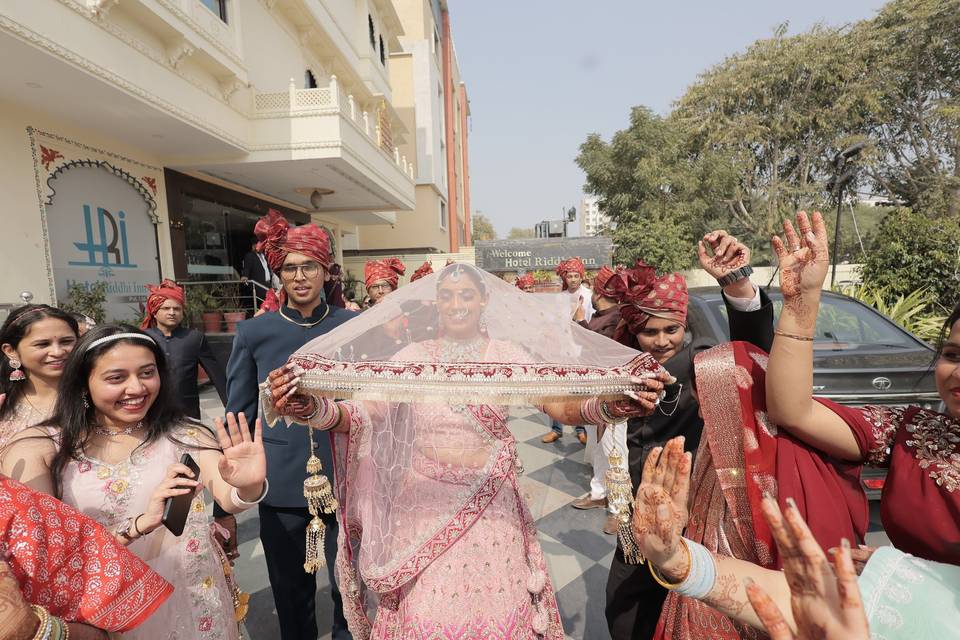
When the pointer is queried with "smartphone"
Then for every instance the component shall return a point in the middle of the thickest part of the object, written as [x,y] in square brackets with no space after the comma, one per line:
[177,508]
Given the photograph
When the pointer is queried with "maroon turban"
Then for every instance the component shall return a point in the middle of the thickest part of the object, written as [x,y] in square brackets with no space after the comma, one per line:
[573,264]
[422,272]
[644,295]
[158,294]
[389,269]
[525,281]
[608,282]
[276,238]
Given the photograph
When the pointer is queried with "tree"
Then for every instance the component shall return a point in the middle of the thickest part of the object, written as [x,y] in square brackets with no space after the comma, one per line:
[914,251]
[519,233]
[482,228]
[913,50]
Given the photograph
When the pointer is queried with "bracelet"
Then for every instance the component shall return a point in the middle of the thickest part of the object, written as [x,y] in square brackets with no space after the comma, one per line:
[43,630]
[326,416]
[701,574]
[243,504]
[590,412]
[136,528]
[314,413]
[793,335]
[668,585]
[606,416]
[735,276]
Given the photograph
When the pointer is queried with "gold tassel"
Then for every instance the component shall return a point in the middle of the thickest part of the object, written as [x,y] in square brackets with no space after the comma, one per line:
[320,499]
[316,536]
[620,501]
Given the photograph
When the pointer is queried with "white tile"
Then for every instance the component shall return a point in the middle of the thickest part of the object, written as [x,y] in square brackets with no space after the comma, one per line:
[534,458]
[563,563]
[542,499]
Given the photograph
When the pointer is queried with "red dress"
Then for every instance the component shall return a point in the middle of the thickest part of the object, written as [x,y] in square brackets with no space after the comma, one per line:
[920,505]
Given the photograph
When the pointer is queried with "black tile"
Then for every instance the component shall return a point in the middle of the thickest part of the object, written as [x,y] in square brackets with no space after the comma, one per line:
[582,605]
[580,530]
[248,529]
[262,617]
[565,475]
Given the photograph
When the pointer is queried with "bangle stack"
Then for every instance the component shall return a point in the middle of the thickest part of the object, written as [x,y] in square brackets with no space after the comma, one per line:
[326,415]
[243,504]
[51,627]
[591,412]
[701,573]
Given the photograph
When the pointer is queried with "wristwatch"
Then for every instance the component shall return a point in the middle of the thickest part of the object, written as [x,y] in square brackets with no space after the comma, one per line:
[735,276]
[124,530]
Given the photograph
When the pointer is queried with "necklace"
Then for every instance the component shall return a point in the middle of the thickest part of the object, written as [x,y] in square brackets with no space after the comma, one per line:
[306,325]
[36,409]
[121,432]
[460,351]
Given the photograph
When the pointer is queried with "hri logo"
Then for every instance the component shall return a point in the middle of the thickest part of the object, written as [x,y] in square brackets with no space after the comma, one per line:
[110,251]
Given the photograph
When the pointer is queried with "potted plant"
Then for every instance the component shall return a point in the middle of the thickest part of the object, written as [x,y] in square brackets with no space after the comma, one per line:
[88,300]
[202,300]
[231,299]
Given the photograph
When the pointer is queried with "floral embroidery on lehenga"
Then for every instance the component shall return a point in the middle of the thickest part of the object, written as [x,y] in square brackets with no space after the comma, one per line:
[884,421]
[935,437]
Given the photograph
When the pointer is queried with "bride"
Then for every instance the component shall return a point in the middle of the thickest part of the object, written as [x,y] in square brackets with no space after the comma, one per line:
[436,540]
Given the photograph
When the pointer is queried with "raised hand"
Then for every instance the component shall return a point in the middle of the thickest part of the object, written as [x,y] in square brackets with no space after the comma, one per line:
[826,603]
[660,509]
[283,391]
[726,253]
[243,464]
[804,257]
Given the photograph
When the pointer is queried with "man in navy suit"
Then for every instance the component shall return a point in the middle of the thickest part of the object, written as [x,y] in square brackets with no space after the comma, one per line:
[301,257]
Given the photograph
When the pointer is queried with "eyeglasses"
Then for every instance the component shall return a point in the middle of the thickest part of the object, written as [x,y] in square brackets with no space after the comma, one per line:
[383,286]
[309,270]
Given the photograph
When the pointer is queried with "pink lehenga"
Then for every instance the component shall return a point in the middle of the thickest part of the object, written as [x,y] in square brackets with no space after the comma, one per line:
[436,541]
[460,558]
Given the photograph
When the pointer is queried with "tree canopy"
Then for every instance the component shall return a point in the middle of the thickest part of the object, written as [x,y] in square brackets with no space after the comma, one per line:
[481,228]
[753,139]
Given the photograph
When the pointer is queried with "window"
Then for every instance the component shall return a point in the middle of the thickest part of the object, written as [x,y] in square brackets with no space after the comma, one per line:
[310,80]
[219,7]
[443,215]
[383,53]
[373,32]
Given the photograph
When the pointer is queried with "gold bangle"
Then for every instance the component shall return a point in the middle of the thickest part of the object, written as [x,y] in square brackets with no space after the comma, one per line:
[44,628]
[663,583]
[793,335]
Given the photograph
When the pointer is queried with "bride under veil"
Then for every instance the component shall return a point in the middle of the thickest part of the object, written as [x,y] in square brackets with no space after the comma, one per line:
[436,540]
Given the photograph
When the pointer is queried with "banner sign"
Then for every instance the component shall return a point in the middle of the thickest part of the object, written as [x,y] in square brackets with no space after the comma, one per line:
[534,254]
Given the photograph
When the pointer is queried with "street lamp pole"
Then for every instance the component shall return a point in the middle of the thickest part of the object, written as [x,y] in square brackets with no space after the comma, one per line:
[845,171]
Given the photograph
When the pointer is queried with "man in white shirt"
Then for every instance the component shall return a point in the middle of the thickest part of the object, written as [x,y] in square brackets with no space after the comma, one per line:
[572,273]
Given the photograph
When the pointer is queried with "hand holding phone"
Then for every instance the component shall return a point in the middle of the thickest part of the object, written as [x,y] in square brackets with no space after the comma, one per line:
[175,494]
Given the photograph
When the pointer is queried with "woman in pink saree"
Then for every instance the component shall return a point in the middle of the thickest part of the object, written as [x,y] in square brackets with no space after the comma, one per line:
[436,540]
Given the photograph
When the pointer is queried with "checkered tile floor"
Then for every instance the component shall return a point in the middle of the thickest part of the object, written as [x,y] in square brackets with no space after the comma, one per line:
[578,553]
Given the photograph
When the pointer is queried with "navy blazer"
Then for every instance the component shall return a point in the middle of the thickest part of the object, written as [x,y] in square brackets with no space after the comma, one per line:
[185,349]
[261,345]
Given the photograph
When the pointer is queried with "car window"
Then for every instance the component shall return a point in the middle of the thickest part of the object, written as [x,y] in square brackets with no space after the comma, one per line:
[842,325]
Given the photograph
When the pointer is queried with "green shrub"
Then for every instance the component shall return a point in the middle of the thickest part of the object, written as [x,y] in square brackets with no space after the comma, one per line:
[87,300]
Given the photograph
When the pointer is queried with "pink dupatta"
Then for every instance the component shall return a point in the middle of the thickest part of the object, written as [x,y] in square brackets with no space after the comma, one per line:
[742,456]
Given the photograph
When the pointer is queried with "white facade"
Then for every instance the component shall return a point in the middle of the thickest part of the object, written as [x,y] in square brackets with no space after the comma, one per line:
[136,88]
[591,220]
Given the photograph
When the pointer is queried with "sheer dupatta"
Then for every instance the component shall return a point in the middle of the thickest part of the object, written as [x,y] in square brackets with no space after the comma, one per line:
[741,457]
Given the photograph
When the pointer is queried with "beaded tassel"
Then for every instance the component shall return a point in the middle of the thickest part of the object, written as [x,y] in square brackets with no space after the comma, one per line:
[620,497]
[320,499]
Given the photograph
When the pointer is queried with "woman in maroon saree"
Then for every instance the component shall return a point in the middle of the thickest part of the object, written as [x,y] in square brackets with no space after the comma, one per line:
[741,457]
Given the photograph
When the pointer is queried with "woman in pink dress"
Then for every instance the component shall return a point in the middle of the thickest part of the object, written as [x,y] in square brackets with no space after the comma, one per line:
[436,538]
[112,450]
[36,340]
[920,505]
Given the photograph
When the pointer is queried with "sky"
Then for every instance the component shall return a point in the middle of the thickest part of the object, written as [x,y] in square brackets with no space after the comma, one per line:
[543,74]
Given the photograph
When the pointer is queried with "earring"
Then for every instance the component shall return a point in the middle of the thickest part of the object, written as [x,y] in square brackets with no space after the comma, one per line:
[86,402]
[17,374]
[483,321]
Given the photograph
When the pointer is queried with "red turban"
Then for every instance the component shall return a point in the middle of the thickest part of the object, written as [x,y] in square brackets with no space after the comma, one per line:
[525,281]
[647,295]
[276,238]
[389,269]
[573,264]
[610,283]
[158,294]
[425,269]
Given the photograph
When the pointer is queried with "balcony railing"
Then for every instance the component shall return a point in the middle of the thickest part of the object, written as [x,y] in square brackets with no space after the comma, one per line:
[330,100]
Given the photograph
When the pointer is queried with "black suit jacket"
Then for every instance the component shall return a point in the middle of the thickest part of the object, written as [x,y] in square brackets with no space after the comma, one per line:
[252,269]
[678,413]
[185,350]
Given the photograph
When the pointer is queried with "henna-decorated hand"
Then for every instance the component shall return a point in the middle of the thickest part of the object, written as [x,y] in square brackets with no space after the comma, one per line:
[640,403]
[825,605]
[16,618]
[283,390]
[728,253]
[660,509]
[804,259]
